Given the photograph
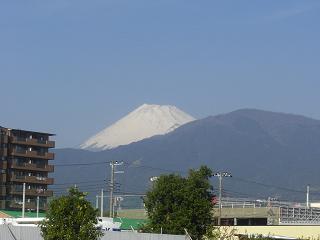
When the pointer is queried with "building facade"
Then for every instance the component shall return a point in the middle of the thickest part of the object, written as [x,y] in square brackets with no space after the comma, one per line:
[24,158]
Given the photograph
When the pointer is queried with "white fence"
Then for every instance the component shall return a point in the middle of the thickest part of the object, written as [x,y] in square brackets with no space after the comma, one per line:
[9,232]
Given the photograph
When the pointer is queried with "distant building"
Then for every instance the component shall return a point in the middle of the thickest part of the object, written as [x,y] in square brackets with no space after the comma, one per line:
[24,158]
[249,212]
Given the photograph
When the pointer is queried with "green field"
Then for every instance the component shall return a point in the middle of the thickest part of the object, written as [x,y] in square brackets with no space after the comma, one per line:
[132,213]
[18,214]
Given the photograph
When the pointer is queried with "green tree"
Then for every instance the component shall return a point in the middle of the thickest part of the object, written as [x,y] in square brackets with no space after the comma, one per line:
[70,217]
[176,203]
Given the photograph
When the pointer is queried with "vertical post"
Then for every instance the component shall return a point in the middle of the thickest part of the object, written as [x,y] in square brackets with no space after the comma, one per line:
[220,175]
[97,201]
[220,196]
[101,204]
[111,189]
[23,199]
[307,202]
[38,206]
[112,185]
[114,206]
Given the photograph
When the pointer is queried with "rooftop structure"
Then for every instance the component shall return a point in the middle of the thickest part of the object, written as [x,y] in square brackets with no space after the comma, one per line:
[244,212]
[24,158]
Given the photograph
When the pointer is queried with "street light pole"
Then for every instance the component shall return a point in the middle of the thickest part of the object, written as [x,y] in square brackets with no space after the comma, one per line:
[220,197]
[97,201]
[220,175]
[307,201]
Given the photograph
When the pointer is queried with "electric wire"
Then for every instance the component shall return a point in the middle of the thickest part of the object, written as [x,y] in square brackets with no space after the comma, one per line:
[60,185]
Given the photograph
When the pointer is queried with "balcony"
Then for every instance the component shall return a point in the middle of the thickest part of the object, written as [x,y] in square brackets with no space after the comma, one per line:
[3,139]
[3,152]
[31,179]
[32,142]
[3,191]
[31,167]
[3,178]
[32,192]
[3,164]
[28,205]
[32,154]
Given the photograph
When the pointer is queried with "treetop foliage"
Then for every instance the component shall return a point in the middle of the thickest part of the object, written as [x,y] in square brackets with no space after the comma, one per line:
[176,203]
[70,217]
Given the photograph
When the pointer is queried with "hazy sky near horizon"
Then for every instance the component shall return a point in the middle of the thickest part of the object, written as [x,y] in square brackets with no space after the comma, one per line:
[72,67]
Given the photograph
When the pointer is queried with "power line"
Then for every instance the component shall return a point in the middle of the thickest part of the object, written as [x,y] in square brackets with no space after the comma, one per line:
[269,185]
[78,186]
[101,180]
[155,168]
[80,164]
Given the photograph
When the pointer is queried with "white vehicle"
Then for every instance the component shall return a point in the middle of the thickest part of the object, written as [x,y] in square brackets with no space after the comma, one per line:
[107,224]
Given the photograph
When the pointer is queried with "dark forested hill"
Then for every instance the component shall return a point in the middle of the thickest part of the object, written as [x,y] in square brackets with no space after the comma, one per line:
[268,154]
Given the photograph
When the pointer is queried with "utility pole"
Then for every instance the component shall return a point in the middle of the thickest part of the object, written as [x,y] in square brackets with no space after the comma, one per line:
[101,202]
[220,175]
[23,199]
[111,189]
[308,191]
[114,205]
[113,164]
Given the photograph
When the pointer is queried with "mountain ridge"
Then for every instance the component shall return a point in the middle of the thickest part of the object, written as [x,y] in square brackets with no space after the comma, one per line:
[272,148]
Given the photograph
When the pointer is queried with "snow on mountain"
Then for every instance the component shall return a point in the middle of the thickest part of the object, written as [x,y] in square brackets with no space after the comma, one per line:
[144,122]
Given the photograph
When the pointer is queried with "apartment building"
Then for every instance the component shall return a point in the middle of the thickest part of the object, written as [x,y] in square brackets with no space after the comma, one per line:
[24,158]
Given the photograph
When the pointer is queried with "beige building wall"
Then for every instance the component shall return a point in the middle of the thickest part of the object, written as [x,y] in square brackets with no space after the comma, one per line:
[302,232]
[315,204]
[271,213]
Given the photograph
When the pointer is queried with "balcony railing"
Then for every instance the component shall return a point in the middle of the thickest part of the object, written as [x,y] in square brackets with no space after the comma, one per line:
[28,205]
[32,141]
[31,179]
[32,154]
[32,167]
[32,192]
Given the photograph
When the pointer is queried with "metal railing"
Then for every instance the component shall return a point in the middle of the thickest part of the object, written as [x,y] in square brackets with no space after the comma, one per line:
[32,192]
[31,179]
[32,166]
[32,154]
[256,203]
[33,141]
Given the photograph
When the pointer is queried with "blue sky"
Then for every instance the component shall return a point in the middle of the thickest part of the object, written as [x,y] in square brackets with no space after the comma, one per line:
[72,67]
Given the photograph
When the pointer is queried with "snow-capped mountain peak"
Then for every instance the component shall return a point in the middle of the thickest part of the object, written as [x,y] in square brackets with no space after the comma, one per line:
[144,122]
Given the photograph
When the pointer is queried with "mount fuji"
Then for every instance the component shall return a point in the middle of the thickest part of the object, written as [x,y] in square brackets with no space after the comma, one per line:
[144,122]
[268,154]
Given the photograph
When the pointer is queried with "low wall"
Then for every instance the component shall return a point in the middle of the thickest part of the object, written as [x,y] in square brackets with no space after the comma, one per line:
[9,232]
